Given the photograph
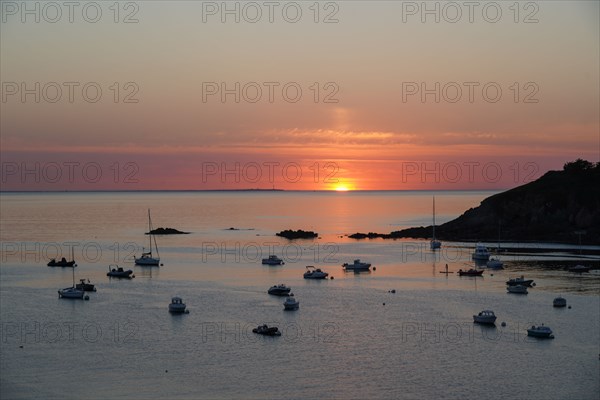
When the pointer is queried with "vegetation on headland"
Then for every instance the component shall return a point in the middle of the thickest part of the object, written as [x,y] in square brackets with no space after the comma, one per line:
[299,234]
[560,206]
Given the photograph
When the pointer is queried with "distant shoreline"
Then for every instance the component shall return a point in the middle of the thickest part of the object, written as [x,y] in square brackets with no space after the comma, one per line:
[253,190]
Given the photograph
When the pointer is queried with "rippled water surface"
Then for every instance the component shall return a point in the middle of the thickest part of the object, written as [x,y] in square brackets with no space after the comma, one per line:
[350,338]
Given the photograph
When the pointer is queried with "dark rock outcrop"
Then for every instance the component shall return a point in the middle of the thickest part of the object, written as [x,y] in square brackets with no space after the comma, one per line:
[551,209]
[166,231]
[299,234]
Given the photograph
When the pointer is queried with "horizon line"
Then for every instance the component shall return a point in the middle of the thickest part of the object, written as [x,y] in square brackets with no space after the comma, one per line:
[250,190]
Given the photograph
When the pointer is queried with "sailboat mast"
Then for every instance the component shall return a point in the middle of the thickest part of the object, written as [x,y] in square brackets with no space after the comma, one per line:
[433,217]
[150,232]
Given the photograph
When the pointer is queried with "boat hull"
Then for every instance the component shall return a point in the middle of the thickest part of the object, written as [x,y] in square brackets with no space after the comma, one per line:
[279,292]
[149,262]
[527,283]
[316,276]
[484,320]
[61,264]
[120,274]
[470,273]
[517,289]
[540,333]
[70,293]
[352,267]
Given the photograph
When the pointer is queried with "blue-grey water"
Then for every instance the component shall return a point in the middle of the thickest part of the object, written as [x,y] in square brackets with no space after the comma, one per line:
[350,338]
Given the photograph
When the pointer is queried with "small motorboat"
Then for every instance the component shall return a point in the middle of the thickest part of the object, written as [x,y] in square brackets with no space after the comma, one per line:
[540,332]
[485,317]
[518,289]
[279,290]
[481,253]
[177,306]
[267,331]
[272,260]
[62,263]
[291,303]
[118,272]
[315,273]
[85,286]
[519,281]
[559,302]
[495,263]
[357,265]
[579,269]
[470,272]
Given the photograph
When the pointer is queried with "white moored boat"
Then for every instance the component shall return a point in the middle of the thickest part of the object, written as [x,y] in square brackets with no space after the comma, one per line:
[272,260]
[279,290]
[71,292]
[495,263]
[518,289]
[485,317]
[559,302]
[315,273]
[481,253]
[357,265]
[520,281]
[540,332]
[147,259]
[291,303]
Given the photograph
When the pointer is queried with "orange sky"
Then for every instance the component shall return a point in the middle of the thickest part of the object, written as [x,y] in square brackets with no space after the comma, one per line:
[377,95]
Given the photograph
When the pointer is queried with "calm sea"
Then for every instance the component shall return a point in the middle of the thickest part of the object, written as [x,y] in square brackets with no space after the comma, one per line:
[351,337]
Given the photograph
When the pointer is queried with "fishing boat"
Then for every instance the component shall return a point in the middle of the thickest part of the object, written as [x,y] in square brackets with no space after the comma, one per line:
[495,263]
[434,244]
[266,330]
[279,290]
[485,317]
[541,331]
[147,259]
[559,302]
[177,306]
[518,289]
[114,271]
[481,253]
[520,281]
[85,286]
[470,272]
[71,292]
[291,303]
[357,265]
[63,261]
[272,260]
[315,273]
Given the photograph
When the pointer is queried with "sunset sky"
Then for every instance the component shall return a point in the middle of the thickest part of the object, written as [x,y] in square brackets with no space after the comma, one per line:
[361,121]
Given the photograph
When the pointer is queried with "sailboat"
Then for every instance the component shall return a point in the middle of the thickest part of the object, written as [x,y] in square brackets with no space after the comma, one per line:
[434,244]
[71,292]
[147,258]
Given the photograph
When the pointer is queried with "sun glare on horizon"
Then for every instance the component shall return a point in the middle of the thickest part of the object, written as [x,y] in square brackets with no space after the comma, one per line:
[342,188]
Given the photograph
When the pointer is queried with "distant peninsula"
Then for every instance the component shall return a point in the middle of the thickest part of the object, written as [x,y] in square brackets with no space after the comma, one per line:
[299,234]
[561,206]
[166,231]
